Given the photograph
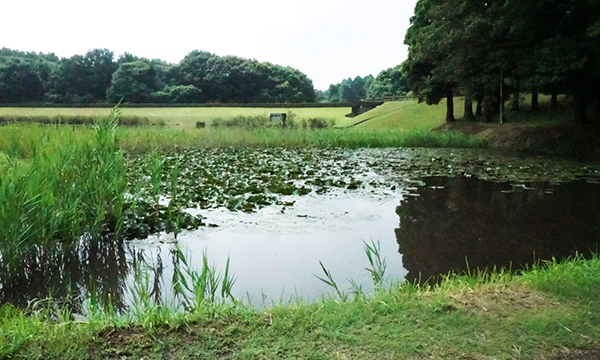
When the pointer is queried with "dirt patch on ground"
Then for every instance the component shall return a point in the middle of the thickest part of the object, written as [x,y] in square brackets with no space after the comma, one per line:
[572,354]
[501,300]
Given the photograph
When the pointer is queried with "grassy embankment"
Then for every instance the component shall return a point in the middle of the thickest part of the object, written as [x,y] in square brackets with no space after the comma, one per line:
[409,114]
[548,312]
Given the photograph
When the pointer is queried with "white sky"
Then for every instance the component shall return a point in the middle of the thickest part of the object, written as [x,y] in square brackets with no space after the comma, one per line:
[328,40]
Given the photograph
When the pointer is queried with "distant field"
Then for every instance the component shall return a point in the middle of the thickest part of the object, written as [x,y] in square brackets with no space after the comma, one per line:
[406,114]
[185,117]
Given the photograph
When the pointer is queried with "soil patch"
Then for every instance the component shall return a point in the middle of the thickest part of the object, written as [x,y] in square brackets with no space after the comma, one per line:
[502,300]
[573,354]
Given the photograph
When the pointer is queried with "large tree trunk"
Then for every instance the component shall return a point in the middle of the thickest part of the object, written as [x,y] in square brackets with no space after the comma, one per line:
[597,119]
[469,116]
[517,97]
[479,109]
[535,101]
[488,109]
[580,113]
[554,100]
[449,104]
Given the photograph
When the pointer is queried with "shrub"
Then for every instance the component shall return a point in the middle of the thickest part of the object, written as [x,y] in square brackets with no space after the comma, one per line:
[245,122]
[70,120]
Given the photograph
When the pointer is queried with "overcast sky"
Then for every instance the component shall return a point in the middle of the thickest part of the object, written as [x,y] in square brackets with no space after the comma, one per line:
[328,40]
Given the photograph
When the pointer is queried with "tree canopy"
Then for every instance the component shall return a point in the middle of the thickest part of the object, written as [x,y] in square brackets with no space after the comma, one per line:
[98,77]
[468,46]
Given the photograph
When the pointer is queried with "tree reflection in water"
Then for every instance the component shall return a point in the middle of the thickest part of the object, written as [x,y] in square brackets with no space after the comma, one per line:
[452,222]
[69,273]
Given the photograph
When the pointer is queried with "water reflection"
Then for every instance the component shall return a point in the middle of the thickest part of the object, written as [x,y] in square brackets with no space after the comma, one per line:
[67,273]
[444,222]
[450,221]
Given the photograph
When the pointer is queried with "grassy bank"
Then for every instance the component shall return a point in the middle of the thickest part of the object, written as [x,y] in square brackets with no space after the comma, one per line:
[548,312]
[407,114]
[20,140]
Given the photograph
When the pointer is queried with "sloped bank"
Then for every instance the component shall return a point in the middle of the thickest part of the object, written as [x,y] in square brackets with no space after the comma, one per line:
[568,140]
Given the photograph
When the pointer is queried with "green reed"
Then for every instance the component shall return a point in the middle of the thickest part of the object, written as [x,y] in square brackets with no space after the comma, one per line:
[199,289]
[57,187]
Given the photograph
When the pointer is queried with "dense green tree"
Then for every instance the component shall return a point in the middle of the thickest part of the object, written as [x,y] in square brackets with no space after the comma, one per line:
[177,94]
[82,78]
[19,82]
[389,82]
[349,90]
[467,46]
[199,77]
[133,82]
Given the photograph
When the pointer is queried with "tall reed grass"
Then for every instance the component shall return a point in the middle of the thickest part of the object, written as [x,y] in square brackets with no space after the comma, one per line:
[145,139]
[56,188]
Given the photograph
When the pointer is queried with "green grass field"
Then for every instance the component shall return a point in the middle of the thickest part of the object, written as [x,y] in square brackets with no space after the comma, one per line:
[407,114]
[184,117]
[404,115]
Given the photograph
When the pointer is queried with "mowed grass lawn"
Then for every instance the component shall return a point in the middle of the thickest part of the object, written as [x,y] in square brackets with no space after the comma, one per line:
[412,115]
[185,117]
[407,114]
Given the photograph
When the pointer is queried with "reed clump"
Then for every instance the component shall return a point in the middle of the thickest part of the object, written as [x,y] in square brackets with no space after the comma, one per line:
[70,120]
[55,189]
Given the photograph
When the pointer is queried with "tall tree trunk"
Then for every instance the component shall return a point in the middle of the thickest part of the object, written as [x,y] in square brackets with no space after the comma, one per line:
[449,104]
[488,109]
[495,106]
[597,119]
[517,97]
[580,113]
[478,109]
[535,101]
[469,116]
[554,100]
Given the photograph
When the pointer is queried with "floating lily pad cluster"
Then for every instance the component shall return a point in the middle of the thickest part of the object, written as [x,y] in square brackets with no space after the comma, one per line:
[166,182]
[243,180]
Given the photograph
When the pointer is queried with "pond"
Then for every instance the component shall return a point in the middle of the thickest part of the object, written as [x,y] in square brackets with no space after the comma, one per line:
[431,212]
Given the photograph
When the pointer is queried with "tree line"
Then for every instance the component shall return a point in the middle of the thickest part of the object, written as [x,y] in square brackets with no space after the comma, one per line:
[96,77]
[491,51]
[390,82]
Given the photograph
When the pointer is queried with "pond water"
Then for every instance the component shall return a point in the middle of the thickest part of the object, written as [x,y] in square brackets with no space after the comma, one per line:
[426,226]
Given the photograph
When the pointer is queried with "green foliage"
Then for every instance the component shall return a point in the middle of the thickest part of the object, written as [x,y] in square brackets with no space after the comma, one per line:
[378,264]
[68,188]
[95,77]
[349,90]
[134,82]
[467,47]
[178,94]
[19,81]
[244,122]
[391,82]
[70,120]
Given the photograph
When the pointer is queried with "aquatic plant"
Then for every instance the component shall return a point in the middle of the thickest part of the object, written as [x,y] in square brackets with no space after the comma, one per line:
[378,263]
[198,289]
[331,282]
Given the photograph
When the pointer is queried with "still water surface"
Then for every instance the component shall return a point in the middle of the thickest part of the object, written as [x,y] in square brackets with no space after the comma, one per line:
[439,225]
